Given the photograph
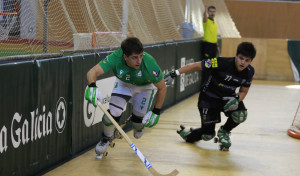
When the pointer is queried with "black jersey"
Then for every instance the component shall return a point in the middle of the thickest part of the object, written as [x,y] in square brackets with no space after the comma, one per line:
[223,78]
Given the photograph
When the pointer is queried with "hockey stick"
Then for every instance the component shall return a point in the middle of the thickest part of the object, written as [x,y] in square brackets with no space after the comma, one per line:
[133,146]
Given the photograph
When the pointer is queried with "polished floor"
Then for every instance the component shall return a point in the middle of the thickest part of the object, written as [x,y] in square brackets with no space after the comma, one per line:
[260,146]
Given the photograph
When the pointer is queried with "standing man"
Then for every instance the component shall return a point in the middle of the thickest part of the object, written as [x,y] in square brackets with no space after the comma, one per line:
[210,47]
[138,79]
[218,93]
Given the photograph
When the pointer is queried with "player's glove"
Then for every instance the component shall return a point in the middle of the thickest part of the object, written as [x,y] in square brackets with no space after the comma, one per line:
[151,118]
[168,78]
[232,103]
[93,94]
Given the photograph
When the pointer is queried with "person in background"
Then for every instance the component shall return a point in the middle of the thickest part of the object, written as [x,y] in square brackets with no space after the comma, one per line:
[210,47]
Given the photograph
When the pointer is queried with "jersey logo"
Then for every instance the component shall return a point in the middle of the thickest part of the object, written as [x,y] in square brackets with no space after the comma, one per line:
[214,63]
[105,60]
[139,74]
[207,63]
[121,72]
[155,73]
[243,81]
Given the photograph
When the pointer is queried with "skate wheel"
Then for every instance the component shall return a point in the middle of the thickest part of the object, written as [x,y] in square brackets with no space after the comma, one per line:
[225,149]
[112,145]
[118,135]
[222,148]
[105,154]
[182,127]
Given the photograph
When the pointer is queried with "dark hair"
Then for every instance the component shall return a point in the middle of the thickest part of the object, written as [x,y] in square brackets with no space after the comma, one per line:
[132,45]
[246,49]
[211,7]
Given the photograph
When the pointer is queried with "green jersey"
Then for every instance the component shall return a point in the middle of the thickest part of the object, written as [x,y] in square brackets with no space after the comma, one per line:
[148,72]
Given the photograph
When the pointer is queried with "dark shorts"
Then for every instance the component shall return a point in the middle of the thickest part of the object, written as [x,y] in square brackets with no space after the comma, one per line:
[209,50]
[212,114]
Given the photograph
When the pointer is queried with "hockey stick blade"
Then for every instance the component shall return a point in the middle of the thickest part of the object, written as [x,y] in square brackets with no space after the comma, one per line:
[133,146]
[155,173]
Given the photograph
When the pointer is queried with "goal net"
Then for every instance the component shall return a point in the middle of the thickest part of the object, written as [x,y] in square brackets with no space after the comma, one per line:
[294,129]
[50,26]
[96,40]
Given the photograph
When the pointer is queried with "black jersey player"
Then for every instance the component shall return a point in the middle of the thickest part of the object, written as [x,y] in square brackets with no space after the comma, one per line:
[218,93]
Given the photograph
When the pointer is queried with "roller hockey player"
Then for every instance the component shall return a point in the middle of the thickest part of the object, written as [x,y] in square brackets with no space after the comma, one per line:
[218,94]
[139,78]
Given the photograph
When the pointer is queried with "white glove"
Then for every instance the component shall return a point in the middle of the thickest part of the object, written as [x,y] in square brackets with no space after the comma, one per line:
[150,119]
[168,78]
[232,103]
[93,94]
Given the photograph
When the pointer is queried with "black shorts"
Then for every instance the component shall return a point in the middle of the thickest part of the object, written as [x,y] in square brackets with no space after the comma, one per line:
[209,50]
[212,115]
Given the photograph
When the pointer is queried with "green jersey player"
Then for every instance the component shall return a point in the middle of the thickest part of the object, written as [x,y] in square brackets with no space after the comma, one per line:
[139,78]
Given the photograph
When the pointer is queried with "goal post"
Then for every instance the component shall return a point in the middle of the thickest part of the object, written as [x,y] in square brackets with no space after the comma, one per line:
[97,40]
[294,129]
[8,22]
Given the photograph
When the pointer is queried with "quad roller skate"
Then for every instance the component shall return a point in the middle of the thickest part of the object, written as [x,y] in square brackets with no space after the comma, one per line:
[184,133]
[102,147]
[223,139]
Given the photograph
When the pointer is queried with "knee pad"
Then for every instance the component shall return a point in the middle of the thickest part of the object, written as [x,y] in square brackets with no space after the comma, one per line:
[239,116]
[137,122]
[115,111]
[106,120]
[207,137]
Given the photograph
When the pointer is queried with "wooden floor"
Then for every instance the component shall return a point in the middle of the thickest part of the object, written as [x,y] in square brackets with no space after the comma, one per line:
[260,146]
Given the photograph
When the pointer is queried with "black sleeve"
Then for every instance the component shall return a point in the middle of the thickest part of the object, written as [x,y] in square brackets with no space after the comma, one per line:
[250,76]
[214,63]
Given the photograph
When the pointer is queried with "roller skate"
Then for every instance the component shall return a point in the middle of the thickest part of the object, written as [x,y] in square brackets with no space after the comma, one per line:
[102,146]
[223,139]
[184,133]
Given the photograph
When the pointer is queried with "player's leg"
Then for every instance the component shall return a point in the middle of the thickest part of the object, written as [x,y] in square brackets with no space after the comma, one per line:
[119,98]
[209,118]
[234,119]
[138,127]
[116,105]
[206,133]
[142,98]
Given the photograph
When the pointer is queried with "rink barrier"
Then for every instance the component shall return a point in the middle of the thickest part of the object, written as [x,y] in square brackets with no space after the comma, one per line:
[44,117]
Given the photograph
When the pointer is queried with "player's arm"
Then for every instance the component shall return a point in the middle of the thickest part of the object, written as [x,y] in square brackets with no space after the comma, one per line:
[243,92]
[161,94]
[190,67]
[168,78]
[93,73]
[152,117]
[205,14]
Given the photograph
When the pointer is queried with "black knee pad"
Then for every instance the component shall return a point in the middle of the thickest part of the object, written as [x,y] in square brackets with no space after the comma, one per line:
[136,119]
